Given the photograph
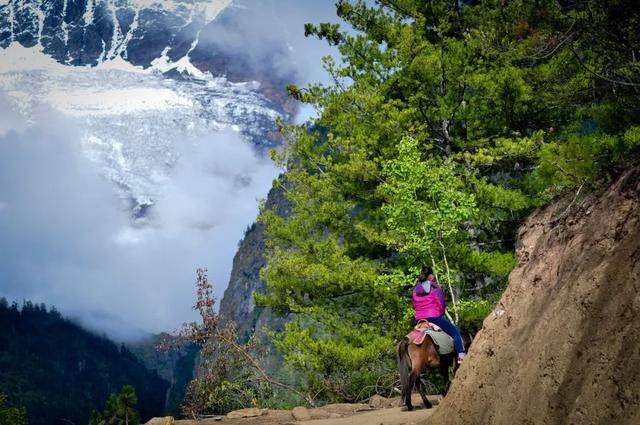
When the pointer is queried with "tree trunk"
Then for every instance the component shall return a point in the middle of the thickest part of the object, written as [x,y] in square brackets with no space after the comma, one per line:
[453,296]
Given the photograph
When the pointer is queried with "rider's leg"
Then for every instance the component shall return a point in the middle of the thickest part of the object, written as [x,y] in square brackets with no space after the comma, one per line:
[450,329]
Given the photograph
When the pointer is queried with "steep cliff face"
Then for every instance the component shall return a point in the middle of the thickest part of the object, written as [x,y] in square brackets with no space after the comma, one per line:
[562,344]
[237,303]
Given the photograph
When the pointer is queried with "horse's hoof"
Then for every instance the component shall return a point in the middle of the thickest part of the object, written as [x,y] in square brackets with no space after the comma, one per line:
[407,408]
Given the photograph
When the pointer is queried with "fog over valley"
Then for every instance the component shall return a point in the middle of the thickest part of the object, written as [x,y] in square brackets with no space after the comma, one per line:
[125,166]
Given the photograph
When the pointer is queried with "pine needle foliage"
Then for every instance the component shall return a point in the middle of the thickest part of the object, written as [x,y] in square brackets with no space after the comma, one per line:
[446,123]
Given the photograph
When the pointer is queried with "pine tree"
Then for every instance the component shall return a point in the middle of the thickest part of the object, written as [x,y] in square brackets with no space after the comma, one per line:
[11,415]
[445,125]
[120,408]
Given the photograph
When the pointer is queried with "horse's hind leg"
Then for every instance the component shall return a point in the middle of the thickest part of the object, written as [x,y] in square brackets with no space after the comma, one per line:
[421,391]
[444,371]
[406,392]
[445,364]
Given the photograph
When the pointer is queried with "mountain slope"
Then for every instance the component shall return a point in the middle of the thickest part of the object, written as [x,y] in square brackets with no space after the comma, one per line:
[88,32]
[175,366]
[237,305]
[561,345]
[60,372]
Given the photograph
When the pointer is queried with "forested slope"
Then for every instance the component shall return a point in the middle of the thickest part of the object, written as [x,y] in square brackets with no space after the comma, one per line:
[61,372]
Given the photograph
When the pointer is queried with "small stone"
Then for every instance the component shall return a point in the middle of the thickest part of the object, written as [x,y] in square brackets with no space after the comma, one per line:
[251,412]
[301,413]
[379,402]
[167,420]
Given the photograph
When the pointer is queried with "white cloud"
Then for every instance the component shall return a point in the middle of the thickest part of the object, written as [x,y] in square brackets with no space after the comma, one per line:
[67,240]
[270,33]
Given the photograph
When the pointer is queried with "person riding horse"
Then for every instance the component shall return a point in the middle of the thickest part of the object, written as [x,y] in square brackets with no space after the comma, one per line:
[418,351]
[429,304]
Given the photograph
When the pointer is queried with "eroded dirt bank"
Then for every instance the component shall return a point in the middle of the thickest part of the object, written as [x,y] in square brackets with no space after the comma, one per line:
[563,345]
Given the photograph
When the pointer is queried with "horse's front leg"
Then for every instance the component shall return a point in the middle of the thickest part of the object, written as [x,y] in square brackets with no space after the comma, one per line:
[421,391]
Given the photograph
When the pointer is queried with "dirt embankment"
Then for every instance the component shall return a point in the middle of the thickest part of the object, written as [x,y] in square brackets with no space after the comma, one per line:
[563,345]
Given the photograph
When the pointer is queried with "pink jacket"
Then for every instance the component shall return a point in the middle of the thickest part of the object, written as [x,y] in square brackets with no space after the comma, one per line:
[428,303]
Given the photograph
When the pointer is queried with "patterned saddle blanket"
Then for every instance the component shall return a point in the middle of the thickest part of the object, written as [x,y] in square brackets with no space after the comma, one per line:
[442,340]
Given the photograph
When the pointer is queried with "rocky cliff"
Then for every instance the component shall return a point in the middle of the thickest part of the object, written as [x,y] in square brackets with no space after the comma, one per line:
[562,344]
[237,304]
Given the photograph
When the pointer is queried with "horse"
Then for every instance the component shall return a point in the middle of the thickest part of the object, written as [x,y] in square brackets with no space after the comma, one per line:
[413,359]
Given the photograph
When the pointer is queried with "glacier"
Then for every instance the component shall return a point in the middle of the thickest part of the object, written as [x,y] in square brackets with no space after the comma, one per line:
[132,118]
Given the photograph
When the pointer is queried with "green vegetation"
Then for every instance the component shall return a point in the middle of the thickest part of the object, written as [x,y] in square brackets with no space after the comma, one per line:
[60,372]
[11,415]
[446,124]
[119,410]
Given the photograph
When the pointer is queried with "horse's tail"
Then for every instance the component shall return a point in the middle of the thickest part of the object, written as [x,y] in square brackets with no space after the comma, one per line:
[404,366]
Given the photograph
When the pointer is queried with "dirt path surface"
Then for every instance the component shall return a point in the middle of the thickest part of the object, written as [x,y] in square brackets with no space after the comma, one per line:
[379,412]
[389,416]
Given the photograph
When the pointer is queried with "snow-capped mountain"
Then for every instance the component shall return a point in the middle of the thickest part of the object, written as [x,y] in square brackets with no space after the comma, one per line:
[121,70]
[88,32]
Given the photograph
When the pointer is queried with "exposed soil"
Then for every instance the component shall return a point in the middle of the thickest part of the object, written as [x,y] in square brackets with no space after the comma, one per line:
[562,346]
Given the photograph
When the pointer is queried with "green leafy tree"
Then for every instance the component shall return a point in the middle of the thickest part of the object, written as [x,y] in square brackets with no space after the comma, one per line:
[11,415]
[446,123]
[426,207]
[119,409]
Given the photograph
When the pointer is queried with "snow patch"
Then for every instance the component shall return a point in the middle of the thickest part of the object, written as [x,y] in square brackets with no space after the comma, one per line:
[88,13]
[119,64]
[100,102]
[209,9]
[183,65]
[133,120]
[17,58]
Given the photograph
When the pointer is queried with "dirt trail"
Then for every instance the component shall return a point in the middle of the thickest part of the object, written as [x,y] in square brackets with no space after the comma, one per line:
[389,416]
[336,414]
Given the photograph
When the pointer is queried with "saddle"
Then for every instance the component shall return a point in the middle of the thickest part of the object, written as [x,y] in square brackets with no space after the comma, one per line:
[442,340]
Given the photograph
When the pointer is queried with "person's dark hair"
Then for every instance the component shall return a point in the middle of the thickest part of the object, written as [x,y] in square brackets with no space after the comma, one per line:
[422,277]
[426,270]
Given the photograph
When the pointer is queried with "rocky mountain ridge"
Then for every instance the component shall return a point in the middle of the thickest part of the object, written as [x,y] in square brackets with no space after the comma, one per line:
[122,72]
[89,32]
[237,304]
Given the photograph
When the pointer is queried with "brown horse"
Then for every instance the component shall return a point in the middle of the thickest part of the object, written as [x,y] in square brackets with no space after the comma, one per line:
[414,359]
